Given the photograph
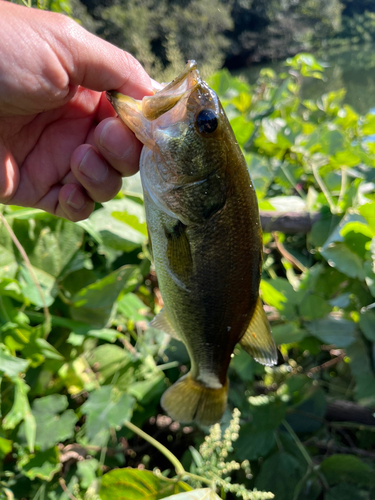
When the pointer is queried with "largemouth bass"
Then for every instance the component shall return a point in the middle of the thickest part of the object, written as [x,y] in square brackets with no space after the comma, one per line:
[205,236]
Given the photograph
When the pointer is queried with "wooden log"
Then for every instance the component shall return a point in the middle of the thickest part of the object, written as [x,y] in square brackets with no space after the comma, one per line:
[347,411]
[288,222]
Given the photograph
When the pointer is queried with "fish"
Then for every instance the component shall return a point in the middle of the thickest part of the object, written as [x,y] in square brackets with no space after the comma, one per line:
[205,238]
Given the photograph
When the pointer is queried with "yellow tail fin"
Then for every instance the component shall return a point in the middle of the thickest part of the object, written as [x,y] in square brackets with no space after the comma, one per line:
[189,400]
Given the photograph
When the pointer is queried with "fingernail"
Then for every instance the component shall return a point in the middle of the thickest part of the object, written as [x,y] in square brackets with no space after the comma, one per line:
[76,199]
[112,139]
[93,167]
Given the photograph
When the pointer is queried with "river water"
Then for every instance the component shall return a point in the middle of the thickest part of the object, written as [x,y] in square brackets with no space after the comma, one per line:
[352,68]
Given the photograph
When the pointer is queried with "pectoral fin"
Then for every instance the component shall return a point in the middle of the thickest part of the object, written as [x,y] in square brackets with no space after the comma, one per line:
[258,340]
[178,251]
[161,322]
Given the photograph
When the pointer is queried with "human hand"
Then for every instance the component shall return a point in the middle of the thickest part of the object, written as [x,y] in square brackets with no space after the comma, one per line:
[61,147]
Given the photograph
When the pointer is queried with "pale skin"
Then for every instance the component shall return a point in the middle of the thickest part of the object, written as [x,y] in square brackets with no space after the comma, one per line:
[61,146]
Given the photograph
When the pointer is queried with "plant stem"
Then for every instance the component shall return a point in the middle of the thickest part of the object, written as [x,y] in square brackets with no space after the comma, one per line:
[291,180]
[305,454]
[174,461]
[29,268]
[344,179]
[324,189]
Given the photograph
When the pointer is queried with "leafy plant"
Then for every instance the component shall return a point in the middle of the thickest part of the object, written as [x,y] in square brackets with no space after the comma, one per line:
[82,374]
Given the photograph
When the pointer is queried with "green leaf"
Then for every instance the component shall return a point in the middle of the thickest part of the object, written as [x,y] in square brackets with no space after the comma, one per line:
[288,333]
[312,306]
[341,249]
[20,411]
[242,129]
[253,444]
[108,360]
[87,471]
[308,415]
[367,324]
[43,465]
[345,491]
[10,365]
[338,255]
[55,245]
[279,293]
[94,303]
[145,390]
[346,469]
[5,447]
[50,243]
[280,474]
[11,288]
[51,426]
[201,494]
[367,211]
[106,408]
[123,231]
[266,411]
[243,365]
[311,489]
[46,282]
[131,306]
[370,277]
[135,484]
[360,365]
[332,330]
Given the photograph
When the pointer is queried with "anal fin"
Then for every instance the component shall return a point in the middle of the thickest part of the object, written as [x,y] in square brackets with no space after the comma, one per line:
[258,340]
[161,322]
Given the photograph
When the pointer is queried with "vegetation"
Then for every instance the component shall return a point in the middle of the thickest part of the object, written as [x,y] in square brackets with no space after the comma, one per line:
[81,373]
[163,34]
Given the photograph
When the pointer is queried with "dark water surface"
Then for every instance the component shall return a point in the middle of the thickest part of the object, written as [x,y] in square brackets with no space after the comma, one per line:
[352,68]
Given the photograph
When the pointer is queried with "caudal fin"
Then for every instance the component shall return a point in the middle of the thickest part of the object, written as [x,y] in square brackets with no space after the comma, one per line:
[189,400]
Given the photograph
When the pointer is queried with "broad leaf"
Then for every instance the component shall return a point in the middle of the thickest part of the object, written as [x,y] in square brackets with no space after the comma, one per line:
[333,330]
[253,444]
[347,469]
[201,494]
[280,474]
[10,365]
[106,408]
[94,304]
[52,426]
[43,465]
[135,484]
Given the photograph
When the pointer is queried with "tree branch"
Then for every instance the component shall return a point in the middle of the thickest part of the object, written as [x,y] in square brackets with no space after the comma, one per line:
[288,222]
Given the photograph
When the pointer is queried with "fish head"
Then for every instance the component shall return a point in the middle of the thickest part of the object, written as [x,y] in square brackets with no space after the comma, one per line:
[184,129]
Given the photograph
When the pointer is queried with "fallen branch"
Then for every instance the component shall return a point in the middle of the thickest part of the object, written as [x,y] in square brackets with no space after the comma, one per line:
[288,222]
[347,411]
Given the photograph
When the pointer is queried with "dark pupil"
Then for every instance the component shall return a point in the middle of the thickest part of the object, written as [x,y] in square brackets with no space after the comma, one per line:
[206,121]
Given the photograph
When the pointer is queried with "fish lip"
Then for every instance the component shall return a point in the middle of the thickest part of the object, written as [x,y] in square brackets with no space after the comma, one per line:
[166,98]
[139,115]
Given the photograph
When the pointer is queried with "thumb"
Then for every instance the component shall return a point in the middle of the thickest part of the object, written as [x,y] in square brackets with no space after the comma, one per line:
[98,65]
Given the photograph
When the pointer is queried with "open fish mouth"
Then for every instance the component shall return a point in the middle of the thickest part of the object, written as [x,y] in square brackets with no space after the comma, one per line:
[158,104]
[138,115]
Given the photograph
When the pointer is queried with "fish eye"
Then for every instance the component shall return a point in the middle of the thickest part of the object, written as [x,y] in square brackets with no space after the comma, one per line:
[206,121]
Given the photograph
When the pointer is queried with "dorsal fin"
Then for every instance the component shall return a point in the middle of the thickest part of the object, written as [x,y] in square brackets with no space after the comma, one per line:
[258,340]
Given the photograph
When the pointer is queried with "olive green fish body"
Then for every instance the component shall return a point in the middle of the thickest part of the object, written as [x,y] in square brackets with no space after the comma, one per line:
[209,271]
[205,236]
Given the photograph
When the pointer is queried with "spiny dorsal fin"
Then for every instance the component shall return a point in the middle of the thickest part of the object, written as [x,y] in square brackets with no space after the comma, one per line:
[161,322]
[258,340]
